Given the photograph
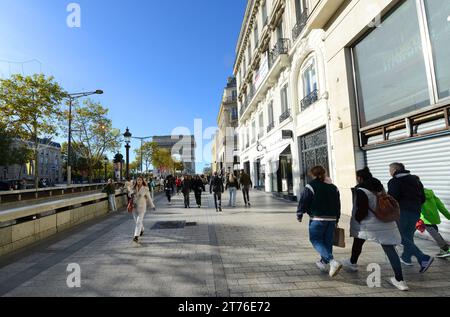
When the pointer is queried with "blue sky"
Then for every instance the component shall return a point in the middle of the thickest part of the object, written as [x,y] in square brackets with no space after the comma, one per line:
[162,64]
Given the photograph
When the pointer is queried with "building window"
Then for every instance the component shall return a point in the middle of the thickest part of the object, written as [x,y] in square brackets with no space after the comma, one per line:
[264,12]
[247,143]
[280,33]
[271,118]
[261,125]
[234,114]
[256,34]
[438,15]
[253,132]
[284,99]
[309,84]
[390,70]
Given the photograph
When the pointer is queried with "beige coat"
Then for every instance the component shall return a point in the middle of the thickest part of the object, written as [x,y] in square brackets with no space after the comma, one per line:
[142,199]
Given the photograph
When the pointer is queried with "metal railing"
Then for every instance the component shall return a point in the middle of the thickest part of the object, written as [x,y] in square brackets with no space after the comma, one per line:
[306,102]
[285,115]
[229,99]
[270,127]
[300,26]
[280,48]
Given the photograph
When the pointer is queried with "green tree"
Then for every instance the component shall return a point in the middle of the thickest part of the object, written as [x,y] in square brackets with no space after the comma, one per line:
[93,134]
[31,108]
[147,150]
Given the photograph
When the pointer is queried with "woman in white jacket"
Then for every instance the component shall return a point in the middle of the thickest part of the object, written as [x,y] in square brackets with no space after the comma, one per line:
[142,200]
[365,226]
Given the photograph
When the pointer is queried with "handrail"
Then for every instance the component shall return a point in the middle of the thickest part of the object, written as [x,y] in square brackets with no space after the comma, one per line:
[36,209]
[25,191]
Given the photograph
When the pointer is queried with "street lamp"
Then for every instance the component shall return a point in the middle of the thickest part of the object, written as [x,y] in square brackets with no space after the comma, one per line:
[72,98]
[142,145]
[106,160]
[127,135]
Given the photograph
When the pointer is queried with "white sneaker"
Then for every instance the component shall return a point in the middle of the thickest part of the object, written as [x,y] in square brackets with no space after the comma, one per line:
[322,267]
[349,266]
[335,268]
[399,285]
[406,263]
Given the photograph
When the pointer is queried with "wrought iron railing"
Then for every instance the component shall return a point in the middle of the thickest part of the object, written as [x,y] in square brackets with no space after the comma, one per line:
[285,115]
[282,47]
[301,23]
[306,102]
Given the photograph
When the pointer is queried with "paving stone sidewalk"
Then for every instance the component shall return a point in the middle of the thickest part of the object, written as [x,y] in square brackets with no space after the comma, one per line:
[256,252]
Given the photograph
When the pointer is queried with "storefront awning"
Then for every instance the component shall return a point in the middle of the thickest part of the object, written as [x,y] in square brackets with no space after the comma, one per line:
[274,154]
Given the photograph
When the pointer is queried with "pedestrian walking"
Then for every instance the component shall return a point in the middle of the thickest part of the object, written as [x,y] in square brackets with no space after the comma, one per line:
[168,188]
[410,194]
[141,201]
[152,187]
[232,187]
[186,188]
[431,219]
[217,188]
[321,201]
[198,187]
[365,226]
[178,182]
[246,184]
[110,190]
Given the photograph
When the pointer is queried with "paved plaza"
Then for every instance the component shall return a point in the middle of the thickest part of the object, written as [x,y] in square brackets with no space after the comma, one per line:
[256,252]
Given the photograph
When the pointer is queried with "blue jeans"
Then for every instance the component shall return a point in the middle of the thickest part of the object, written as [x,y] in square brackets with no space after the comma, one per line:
[407,227]
[321,235]
[233,191]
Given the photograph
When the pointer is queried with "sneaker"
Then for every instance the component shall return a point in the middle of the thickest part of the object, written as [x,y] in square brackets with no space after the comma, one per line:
[142,233]
[426,265]
[335,268]
[322,266]
[349,266]
[136,240]
[399,285]
[220,209]
[249,205]
[406,263]
[443,254]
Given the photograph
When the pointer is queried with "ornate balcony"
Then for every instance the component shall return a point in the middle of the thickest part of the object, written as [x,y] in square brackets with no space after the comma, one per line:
[301,23]
[285,115]
[306,102]
[282,47]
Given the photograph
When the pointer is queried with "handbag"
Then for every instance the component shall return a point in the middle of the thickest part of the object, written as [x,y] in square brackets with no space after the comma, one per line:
[130,205]
[339,238]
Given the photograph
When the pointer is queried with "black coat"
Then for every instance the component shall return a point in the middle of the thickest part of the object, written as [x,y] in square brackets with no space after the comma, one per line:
[186,186]
[217,185]
[408,191]
[198,186]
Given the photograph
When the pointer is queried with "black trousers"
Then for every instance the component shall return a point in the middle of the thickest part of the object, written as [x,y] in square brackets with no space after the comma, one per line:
[218,200]
[198,198]
[187,202]
[169,195]
[246,192]
[390,251]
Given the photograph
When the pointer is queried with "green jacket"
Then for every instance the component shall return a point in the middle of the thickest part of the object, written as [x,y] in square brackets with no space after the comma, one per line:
[110,189]
[432,207]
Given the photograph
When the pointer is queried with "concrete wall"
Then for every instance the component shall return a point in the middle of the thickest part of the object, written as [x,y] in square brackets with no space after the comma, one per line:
[21,235]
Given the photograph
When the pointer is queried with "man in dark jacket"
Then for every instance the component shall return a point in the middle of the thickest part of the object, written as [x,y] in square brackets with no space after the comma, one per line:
[246,184]
[198,187]
[218,189]
[186,188]
[409,192]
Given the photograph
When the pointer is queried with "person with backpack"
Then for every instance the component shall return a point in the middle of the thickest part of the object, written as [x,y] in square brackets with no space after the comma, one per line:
[321,201]
[232,186]
[199,188]
[367,225]
[431,219]
[218,189]
[246,184]
[410,194]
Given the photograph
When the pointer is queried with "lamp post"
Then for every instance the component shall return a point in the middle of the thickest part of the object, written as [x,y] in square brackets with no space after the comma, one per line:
[142,145]
[106,160]
[127,135]
[72,98]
